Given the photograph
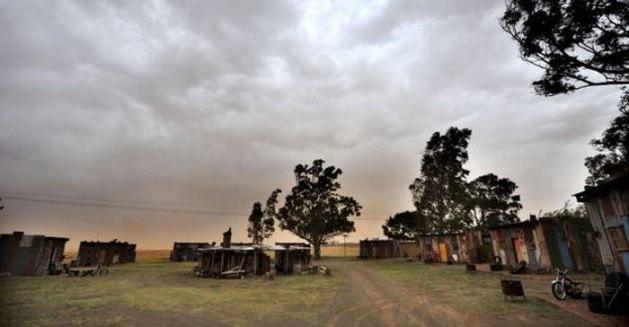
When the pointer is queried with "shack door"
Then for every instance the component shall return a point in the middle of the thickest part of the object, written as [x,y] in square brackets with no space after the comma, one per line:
[520,250]
[443,252]
[558,250]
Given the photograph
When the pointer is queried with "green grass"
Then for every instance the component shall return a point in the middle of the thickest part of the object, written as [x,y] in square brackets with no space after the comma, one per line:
[476,293]
[162,289]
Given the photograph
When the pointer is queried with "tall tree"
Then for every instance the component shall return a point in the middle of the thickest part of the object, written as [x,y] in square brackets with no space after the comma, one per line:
[613,151]
[492,201]
[404,226]
[440,193]
[578,44]
[314,210]
[261,220]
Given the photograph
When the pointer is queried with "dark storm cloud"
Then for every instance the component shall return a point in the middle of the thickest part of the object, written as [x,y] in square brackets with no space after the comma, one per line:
[210,105]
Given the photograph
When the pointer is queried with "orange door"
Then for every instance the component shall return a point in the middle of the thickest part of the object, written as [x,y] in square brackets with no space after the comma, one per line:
[443,252]
[520,250]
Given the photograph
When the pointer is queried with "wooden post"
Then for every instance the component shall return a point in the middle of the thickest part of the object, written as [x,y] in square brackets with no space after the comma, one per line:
[222,259]
[212,264]
[255,262]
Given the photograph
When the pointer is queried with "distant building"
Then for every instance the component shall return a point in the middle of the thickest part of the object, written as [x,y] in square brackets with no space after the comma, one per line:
[608,209]
[187,251]
[409,249]
[114,252]
[30,255]
[378,249]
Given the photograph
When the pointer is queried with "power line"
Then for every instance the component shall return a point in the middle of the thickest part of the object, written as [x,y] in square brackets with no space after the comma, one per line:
[115,205]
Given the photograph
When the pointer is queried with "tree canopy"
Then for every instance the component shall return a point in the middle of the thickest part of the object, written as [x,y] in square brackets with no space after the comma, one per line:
[261,221]
[578,44]
[492,201]
[404,226]
[613,151]
[440,192]
[314,210]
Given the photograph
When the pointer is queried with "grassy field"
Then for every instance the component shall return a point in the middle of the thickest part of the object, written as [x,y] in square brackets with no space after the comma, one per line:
[161,292]
[155,291]
[477,294]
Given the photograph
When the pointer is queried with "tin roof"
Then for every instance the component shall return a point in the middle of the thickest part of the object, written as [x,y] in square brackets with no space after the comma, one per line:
[619,182]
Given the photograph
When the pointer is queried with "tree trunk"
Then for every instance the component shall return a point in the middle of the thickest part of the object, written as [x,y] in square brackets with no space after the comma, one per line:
[317,250]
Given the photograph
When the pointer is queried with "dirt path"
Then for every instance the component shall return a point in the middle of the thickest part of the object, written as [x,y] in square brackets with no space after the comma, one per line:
[370,300]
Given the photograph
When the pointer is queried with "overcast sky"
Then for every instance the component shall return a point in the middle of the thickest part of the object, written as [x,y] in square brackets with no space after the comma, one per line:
[209,105]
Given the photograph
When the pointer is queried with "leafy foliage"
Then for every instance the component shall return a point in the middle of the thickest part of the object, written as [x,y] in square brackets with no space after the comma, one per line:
[568,210]
[440,193]
[314,211]
[407,225]
[492,201]
[613,148]
[261,221]
[578,44]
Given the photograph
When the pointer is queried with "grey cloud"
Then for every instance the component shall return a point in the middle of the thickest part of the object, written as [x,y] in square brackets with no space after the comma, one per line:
[211,104]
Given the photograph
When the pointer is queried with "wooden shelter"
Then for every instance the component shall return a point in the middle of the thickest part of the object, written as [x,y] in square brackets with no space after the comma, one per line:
[114,252]
[187,251]
[291,257]
[233,261]
[30,255]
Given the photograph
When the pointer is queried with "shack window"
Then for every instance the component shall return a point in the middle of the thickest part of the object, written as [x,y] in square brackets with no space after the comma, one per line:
[26,241]
[618,239]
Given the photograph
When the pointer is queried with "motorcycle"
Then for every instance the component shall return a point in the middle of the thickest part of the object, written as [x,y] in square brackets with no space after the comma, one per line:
[562,286]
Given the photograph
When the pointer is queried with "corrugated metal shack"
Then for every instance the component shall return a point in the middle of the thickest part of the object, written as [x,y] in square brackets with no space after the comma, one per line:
[30,255]
[608,209]
[114,252]
[187,251]
[475,246]
[439,248]
[291,257]
[546,243]
[470,246]
[378,249]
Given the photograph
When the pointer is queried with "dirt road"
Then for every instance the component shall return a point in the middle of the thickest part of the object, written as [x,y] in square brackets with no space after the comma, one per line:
[370,300]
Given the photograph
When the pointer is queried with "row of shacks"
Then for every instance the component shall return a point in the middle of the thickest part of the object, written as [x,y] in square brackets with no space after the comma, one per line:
[543,243]
[599,242]
[31,255]
[239,259]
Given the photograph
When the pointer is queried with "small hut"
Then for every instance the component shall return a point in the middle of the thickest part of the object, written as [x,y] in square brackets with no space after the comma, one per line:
[187,251]
[114,252]
[230,260]
[378,249]
[30,255]
[291,257]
